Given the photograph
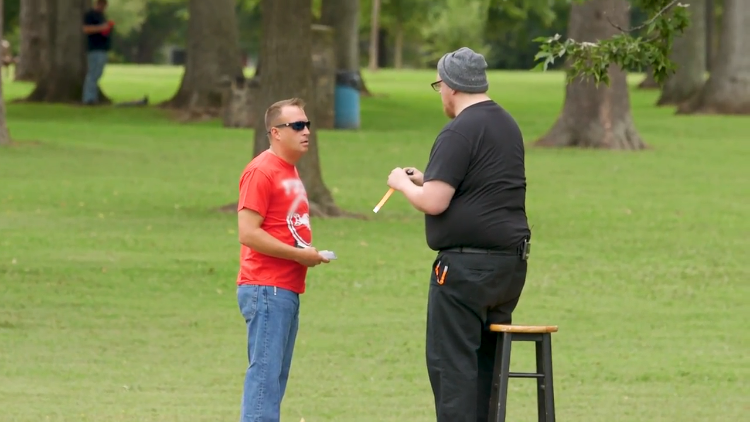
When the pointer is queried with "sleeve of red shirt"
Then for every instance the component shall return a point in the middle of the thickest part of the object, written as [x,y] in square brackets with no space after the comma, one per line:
[255,192]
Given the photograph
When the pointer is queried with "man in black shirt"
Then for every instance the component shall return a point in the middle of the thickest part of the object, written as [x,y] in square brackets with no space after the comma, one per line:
[97,29]
[473,194]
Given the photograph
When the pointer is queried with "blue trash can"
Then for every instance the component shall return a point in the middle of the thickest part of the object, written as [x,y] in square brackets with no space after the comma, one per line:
[346,100]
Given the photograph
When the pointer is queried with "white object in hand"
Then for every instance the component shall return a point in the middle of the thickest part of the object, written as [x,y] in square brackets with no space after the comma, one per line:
[327,254]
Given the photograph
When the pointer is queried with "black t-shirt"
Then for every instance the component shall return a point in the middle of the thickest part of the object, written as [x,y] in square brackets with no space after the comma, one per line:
[481,154]
[97,40]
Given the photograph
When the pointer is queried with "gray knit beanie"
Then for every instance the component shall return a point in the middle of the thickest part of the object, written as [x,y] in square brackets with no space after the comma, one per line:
[464,71]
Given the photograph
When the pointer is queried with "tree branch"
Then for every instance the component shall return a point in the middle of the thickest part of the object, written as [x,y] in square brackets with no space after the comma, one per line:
[650,21]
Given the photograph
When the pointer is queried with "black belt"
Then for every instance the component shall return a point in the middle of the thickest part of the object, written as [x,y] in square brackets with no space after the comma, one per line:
[482,251]
[522,250]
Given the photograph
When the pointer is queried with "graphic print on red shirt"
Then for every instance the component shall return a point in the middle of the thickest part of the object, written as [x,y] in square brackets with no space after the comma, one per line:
[272,187]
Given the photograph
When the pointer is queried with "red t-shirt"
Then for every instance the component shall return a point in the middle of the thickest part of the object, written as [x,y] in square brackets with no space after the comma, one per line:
[272,187]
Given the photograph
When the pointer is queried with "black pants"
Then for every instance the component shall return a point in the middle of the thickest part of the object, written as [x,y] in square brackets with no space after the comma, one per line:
[468,292]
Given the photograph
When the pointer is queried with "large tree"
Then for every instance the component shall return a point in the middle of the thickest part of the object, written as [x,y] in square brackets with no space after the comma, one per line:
[727,90]
[33,35]
[596,116]
[689,55]
[63,65]
[374,35]
[4,135]
[343,17]
[213,54]
[287,74]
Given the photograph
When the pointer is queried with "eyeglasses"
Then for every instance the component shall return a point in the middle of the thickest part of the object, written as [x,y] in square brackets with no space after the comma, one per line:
[296,126]
[436,85]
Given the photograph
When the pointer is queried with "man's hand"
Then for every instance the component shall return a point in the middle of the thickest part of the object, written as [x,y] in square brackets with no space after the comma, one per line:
[310,257]
[416,176]
[398,179]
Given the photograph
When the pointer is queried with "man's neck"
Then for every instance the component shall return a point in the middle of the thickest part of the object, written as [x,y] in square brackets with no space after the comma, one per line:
[286,157]
[469,100]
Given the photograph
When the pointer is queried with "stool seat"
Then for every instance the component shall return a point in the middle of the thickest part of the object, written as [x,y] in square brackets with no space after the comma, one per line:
[541,336]
[533,329]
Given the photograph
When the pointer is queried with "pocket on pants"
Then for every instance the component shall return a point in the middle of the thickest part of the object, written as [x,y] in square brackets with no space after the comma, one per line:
[247,300]
[450,268]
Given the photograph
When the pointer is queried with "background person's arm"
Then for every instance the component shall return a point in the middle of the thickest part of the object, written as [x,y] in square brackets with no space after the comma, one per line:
[91,27]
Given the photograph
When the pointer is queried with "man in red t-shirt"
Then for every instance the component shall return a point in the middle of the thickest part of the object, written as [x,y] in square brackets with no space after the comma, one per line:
[275,253]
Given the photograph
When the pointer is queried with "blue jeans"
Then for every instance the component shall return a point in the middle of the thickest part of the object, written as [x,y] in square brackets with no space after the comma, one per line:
[95,59]
[272,318]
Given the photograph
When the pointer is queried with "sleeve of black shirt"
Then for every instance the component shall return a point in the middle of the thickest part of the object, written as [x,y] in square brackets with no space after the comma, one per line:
[449,158]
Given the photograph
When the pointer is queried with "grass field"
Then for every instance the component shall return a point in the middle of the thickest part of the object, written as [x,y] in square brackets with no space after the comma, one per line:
[117,274]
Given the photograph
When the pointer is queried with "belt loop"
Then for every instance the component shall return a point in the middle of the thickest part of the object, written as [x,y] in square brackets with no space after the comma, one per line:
[274,290]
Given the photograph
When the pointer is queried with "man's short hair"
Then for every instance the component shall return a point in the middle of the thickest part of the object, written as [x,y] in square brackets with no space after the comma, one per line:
[274,111]
[101,2]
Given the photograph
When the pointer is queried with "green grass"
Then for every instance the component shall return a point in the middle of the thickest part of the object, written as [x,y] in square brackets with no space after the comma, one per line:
[117,276]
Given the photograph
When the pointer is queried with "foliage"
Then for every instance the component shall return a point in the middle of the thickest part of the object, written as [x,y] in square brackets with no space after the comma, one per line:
[11,17]
[406,14]
[454,24]
[127,14]
[503,29]
[512,25]
[667,18]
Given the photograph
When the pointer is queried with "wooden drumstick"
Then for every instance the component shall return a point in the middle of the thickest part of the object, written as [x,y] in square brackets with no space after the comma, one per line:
[388,195]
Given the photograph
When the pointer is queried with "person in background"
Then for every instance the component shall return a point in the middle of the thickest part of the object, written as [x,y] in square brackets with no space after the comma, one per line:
[98,33]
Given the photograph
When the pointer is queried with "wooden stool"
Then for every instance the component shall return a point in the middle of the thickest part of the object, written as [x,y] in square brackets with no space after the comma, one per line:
[542,336]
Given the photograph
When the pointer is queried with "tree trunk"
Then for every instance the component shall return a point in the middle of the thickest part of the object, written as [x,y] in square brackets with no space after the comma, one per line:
[689,54]
[33,34]
[596,117]
[287,74]
[240,105]
[4,135]
[648,82]
[398,59]
[727,90]
[213,55]
[63,64]
[343,17]
[710,16]
[374,35]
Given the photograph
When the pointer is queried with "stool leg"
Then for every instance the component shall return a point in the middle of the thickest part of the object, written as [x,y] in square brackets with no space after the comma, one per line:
[500,378]
[542,409]
[545,391]
[541,405]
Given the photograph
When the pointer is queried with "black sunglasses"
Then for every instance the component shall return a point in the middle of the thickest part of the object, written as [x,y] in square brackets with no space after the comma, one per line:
[296,126]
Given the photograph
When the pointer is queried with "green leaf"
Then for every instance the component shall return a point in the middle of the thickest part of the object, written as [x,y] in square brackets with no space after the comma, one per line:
[622,49]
